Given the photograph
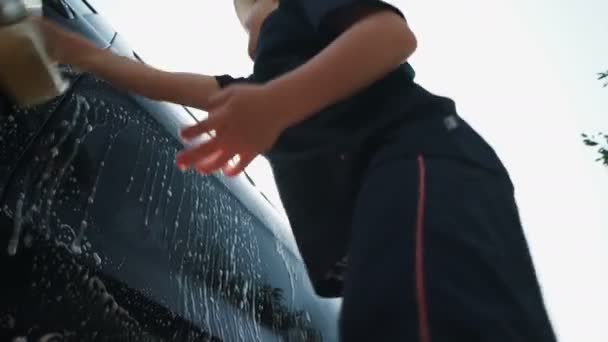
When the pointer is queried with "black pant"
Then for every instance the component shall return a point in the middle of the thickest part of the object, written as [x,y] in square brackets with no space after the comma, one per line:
[438,254]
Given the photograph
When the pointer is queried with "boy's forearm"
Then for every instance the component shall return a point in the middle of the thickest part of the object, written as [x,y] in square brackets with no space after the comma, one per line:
[192,90]
[121,72]
[364,53]
[187,89]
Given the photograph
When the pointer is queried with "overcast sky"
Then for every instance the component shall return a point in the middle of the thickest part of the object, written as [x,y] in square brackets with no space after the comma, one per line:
[522,72]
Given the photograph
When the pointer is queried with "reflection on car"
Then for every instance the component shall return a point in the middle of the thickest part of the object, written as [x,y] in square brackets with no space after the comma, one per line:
[103,239]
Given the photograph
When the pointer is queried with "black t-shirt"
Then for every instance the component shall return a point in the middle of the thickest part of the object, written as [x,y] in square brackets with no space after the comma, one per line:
[297,31]
[317,163]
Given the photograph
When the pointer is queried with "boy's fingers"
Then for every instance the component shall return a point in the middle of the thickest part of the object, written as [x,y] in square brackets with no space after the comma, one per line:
[234,170]
[202,127]
[187,158]
[213,163]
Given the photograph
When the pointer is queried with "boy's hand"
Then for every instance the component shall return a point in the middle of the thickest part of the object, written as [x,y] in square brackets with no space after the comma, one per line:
[63,46]
[247,122]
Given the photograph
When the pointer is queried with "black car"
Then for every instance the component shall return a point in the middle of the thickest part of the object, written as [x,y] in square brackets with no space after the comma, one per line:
[103,239]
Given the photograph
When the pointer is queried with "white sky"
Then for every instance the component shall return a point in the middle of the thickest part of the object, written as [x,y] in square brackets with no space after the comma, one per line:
[522,72]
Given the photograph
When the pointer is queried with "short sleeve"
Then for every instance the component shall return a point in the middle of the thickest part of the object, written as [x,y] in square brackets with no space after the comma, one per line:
[319,11]
[226,80]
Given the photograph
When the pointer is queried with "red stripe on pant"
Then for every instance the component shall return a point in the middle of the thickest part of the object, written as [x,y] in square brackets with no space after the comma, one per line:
[423,323]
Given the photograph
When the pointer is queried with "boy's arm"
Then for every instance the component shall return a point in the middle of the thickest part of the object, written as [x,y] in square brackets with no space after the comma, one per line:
[371,43]
[187,89]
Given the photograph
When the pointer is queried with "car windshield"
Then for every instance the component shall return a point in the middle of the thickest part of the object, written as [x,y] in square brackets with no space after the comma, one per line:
[207,39]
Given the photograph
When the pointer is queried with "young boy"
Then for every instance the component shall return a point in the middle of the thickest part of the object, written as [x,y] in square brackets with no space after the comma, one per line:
[378,176]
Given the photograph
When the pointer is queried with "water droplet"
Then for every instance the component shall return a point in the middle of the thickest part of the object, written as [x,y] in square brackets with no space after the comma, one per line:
[14,241]
[51,337]
[54,152]
[76,249]
[97,259]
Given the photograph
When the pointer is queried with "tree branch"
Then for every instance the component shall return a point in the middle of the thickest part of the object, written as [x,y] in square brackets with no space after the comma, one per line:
[600,140]
[603,76]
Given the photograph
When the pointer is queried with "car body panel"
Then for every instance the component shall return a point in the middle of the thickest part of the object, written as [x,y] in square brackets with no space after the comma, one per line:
[103,239]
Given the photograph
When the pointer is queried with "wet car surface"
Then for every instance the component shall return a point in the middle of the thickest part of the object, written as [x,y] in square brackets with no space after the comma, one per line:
[103,239]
